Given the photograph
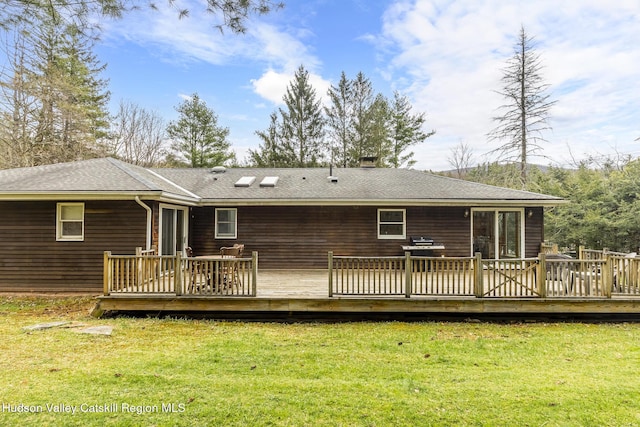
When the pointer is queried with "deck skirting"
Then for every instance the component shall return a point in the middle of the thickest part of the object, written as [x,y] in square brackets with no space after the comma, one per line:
[390,305]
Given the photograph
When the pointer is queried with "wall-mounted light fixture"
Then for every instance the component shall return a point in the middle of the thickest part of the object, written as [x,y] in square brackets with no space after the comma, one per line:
[529,213]
[466,213]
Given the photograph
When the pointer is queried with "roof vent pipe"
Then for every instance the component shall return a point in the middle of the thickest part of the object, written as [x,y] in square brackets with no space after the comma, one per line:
[331,178]
[218,169]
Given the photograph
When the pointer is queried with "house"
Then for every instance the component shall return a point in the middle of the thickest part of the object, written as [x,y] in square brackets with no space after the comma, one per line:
[56,221]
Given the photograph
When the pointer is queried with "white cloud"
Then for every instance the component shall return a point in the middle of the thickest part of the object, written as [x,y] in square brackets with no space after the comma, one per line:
[452,54]
[195,39]
[272,85]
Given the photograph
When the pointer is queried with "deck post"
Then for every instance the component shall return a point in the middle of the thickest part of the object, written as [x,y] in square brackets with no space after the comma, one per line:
[106,276]
[581,252]
[254,273]
[177,278]
[478,285]
[407,274]
[330,269]
[607,275]
[542,274]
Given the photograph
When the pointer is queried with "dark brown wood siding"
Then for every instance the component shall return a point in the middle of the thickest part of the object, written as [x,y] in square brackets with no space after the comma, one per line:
[534,231]
[31,260]
[301,237]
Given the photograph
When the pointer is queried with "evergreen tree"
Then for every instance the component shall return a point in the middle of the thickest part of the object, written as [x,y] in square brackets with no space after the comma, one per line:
[339,117]
[233,14]
[525,113]
[197,137]
[270,153]
[405,131]
[379,131]
[55,97]
[361,141]
[302,123]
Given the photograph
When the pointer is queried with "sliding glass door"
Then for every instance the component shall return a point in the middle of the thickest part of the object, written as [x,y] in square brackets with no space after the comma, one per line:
[498,234]
[173,229]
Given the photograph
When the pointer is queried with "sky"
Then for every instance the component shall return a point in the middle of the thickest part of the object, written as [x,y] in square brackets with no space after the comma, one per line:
[446,56]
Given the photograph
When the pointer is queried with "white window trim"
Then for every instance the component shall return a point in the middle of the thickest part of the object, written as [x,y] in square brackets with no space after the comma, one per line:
[59,236]
[404,225]
[185,230]
[495,227]
[235,225]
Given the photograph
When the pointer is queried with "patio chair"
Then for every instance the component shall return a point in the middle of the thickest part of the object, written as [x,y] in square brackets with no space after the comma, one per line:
[240,248]
[228,276]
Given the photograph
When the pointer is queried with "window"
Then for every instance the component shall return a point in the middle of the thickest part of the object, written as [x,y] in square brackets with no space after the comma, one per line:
[498,234]
[226,223]
[391,224]
[70,222]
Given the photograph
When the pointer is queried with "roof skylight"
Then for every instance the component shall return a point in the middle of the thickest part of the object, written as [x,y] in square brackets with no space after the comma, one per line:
[245,181]
[269,181]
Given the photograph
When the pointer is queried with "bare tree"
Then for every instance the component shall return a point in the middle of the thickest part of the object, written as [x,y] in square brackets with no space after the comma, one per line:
[461,158]
[137,135]
[524,114]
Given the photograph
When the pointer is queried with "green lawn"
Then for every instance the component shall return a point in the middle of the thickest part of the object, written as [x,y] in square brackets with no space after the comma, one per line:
[155,372]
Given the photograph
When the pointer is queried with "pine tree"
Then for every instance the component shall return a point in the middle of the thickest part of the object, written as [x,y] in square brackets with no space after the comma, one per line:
[405,131]
[361,141]
[54,94]
[270,152]
[197,137]
[339,120]
[379,131]
[302,123]
[526,110]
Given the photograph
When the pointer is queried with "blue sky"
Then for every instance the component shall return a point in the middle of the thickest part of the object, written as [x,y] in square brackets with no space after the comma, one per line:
[446,56]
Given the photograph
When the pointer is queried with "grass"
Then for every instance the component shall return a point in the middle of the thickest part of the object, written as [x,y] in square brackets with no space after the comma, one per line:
[167,372]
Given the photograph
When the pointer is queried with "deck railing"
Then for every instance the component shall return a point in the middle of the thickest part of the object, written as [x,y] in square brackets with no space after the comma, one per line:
[411,276]
[147,273]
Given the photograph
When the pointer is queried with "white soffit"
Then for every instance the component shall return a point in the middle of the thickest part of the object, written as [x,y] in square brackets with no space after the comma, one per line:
[269,181]
[245,181]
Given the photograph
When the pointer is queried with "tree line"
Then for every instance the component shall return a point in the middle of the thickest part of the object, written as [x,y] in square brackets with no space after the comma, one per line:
[603,199]
[356,123]
[53,107]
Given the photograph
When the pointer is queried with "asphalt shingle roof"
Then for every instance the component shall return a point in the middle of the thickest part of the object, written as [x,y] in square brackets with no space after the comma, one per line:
[294,185]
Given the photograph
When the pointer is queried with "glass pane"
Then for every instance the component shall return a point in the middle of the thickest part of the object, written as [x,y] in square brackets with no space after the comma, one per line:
[72,229]
[391,229]
[391,216]
[168,232]
[483,234]
[226,215]
[225,229]
[73,212]
[180,237]
[509,223]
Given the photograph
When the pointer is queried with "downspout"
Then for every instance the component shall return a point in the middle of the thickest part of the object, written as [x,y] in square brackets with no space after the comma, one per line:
[149,214]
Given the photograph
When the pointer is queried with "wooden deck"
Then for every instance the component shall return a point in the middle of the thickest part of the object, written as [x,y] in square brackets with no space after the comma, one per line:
[305,294]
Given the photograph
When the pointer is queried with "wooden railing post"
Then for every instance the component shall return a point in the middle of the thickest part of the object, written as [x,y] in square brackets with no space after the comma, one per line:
[581,252]
[106,275]
[607,275]
[177,269]
[408,268]
[330,268]
[479,278]
[542,275]
[254,273]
